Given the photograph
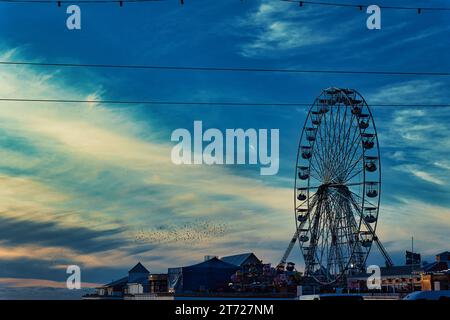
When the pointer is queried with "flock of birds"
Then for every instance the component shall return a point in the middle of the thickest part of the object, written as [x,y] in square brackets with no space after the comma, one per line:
[194,232]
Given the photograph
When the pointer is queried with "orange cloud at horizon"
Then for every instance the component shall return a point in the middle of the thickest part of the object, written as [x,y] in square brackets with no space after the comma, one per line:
[105,258]
[24,283]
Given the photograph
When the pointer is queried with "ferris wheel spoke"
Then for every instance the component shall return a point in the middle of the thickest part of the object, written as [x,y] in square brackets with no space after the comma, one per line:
[333,121]
[319,147]
[326,249]
[365,200]
[333,136]
[351,151]
[324,240]
[338,142]
[315,177]
[310,187]
[328,145]
[355,174]
[353,130]
[351,224]
[351,168]
[354,147]
[318,165]
[347,197]
[338,152]
[354,184]
[348,154]
[319,170]
[311,200]
[357,208]
[337,245]
[331,129]
[342,141]
[322,149]
[347,171]
[347,222]
[312,204]
[346,135]
[314,232]
[315,180]
[313,164]
[301,204]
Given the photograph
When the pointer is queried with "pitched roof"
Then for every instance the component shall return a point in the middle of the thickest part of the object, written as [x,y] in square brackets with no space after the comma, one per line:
[436,266]
[119,282]
[238,259]
[139,268]
[211,263]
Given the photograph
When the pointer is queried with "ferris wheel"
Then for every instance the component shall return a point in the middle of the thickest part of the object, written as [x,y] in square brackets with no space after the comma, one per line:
[337,186]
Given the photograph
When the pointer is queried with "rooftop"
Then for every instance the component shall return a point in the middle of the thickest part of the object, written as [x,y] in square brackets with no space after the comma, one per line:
[139,268]
[212,263]
[119,282]
[238,259]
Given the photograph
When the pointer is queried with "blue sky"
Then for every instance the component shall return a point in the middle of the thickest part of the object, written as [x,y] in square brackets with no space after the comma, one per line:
[79,182]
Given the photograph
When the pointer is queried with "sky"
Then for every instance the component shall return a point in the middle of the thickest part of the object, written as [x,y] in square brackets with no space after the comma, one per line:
[81,183]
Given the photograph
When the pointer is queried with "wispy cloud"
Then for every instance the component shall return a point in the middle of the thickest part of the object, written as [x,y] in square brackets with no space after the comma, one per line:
[414,140]
[443,164]
[277,27]
[421,174]
[428,223]
[414,92]
[81,171]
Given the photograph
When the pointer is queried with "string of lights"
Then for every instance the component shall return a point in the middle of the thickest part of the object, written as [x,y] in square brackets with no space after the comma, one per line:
[362,6]
[300,3]
[59,2]
[207,103]
[225,69]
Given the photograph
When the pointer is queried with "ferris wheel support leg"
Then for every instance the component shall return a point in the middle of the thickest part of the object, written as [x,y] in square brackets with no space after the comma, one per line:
[388,260]
[289,248]
[383,251]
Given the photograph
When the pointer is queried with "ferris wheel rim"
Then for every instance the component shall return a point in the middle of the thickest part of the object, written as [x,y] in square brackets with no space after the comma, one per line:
[365,254]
